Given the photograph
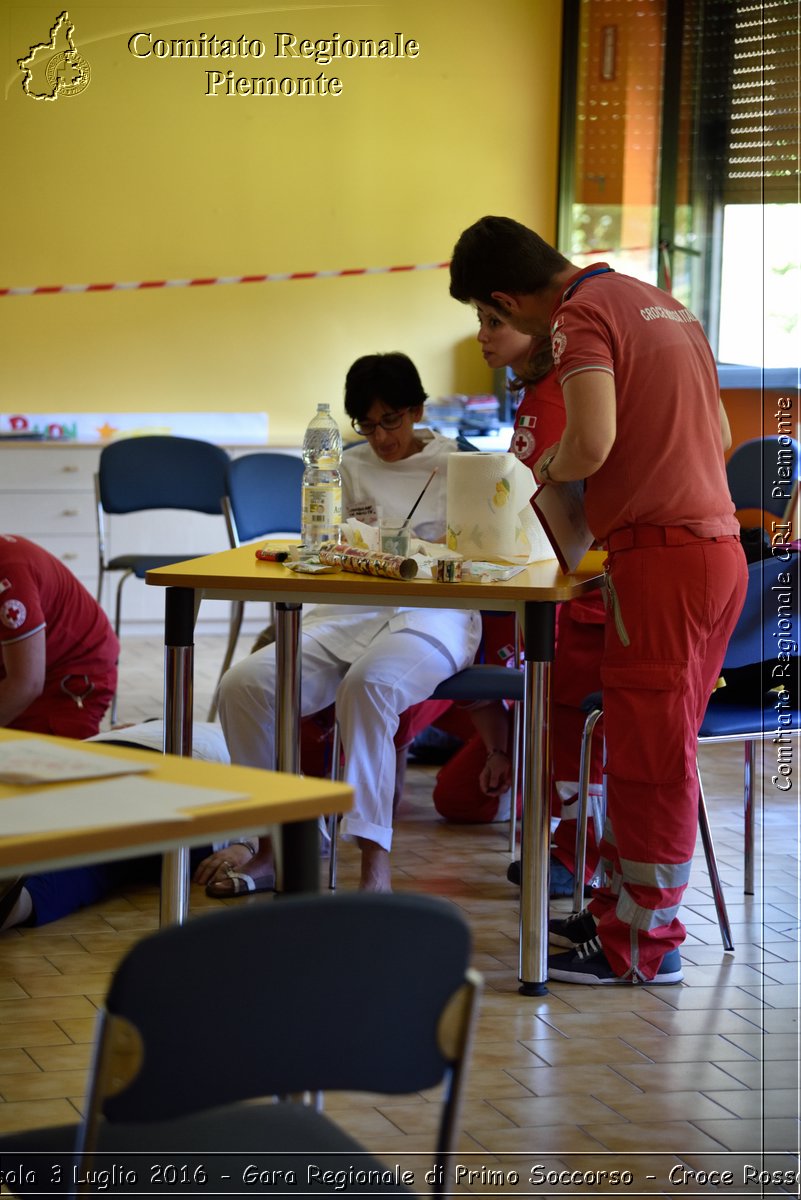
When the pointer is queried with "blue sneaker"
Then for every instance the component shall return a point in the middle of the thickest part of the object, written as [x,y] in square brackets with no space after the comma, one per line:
[561,879]
[589,965]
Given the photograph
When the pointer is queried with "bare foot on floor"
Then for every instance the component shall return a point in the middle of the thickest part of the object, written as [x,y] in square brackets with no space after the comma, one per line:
[376,871]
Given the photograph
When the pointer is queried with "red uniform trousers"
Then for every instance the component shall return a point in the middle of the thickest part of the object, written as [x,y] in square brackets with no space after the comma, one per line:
[679,598]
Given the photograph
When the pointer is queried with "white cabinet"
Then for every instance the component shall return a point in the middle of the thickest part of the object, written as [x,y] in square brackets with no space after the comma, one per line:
[47,495]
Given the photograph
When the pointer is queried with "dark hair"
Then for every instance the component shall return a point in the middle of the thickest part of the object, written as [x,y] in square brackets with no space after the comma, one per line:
[498,254]
[390,378]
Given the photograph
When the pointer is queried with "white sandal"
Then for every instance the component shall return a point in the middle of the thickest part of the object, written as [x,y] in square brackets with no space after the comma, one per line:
[239,883]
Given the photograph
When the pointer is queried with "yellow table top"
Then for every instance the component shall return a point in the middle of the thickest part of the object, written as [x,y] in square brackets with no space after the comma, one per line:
[271,798]
[240,574]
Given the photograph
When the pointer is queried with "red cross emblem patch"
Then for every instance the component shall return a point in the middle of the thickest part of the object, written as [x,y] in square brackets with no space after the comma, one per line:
[524,443]
[13,613]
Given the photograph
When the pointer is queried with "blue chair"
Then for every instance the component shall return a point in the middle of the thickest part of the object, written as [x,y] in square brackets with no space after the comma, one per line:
[766,635]
[753,473]
[762,473]
[140,473]
[262,496]
[177,1064]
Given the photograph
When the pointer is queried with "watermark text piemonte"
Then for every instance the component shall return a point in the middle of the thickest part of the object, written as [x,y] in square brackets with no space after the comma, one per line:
[782,619]
[241,80]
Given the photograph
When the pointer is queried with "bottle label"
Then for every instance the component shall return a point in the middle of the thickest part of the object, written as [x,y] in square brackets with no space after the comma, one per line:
[322,511]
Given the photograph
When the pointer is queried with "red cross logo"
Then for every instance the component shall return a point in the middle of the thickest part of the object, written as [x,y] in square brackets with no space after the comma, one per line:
[13,613]
[523,444]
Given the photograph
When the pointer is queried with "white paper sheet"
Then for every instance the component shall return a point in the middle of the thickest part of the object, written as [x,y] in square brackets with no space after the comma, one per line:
[30,760]
[113,802]
[490,572]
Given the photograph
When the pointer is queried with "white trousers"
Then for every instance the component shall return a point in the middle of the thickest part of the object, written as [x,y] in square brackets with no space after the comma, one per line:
[396,670]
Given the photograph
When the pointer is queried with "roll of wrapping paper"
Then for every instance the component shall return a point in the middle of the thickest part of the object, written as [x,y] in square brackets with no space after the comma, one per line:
[367,562]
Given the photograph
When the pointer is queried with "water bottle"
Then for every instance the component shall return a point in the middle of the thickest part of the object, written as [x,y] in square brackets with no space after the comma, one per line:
[322,483]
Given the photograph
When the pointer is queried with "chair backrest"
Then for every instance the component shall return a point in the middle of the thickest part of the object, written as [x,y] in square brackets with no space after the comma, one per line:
[263,493]
[241,1004]
[162,472]
[769,623]
[764,473]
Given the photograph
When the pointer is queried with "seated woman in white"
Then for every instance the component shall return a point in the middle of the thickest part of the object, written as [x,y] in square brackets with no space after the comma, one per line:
[373,663]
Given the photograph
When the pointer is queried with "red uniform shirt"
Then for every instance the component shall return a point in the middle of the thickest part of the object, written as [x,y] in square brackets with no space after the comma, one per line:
[39,592]
[539,420]
[665,384]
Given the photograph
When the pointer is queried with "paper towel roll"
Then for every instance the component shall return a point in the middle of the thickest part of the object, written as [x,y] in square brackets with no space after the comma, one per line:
[489,510]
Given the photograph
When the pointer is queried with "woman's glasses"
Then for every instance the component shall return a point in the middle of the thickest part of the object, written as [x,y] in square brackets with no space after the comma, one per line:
[392,420]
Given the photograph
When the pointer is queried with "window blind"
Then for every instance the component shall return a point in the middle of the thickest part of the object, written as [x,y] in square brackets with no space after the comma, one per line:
[762,89]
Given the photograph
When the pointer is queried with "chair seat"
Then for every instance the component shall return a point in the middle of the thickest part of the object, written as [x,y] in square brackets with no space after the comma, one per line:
[277,1139]
[747,720]
[482,683]
[140,564]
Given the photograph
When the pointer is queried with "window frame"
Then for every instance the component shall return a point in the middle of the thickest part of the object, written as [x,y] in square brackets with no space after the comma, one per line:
[709,164]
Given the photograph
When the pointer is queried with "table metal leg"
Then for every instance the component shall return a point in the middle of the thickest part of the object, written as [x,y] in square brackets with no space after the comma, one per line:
[535,830]
[179,651]
[300,842]
[287,688]
[298,863]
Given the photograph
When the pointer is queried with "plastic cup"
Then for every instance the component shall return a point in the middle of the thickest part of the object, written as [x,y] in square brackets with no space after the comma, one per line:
[395,537]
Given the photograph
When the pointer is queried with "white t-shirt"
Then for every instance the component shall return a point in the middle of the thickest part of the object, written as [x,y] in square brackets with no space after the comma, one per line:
[372,489]
[368,484]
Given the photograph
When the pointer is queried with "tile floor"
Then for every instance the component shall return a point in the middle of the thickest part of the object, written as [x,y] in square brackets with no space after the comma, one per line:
[698,1077]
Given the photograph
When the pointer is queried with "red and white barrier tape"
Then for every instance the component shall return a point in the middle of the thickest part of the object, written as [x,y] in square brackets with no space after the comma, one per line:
[65,288]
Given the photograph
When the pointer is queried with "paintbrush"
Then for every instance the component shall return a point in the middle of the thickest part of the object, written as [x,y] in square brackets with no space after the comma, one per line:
[413,509]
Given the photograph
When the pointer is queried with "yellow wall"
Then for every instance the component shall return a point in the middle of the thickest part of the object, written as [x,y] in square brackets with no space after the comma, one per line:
[143,176]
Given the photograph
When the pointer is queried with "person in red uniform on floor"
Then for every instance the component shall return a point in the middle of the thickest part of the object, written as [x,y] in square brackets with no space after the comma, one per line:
[467,782]
[58,657]
[59,652]
[646,430]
